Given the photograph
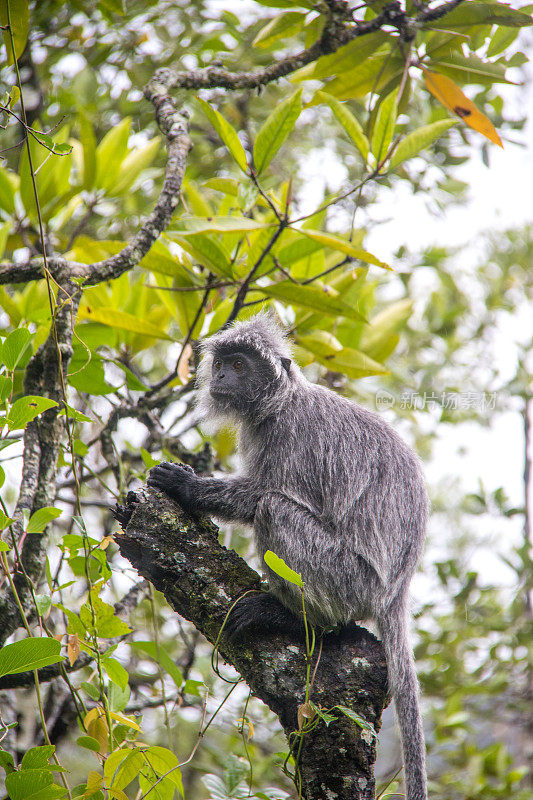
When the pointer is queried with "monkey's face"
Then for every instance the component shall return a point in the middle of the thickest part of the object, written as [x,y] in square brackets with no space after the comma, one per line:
[240,380]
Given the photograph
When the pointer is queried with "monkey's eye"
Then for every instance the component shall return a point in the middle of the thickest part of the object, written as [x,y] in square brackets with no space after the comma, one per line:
[238,365]
[217,364]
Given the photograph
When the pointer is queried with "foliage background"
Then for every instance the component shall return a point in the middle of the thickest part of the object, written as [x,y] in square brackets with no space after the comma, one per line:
[430,361]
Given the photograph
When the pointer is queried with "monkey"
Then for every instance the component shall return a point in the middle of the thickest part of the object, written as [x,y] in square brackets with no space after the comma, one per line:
[328,486]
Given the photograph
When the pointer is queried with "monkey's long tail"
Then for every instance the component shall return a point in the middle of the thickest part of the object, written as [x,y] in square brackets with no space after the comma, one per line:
[404,686]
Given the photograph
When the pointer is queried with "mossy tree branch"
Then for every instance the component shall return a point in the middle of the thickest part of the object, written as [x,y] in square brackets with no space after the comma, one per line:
[201,579]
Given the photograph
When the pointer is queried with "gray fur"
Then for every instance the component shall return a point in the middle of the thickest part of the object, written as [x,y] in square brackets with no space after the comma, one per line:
[334,491]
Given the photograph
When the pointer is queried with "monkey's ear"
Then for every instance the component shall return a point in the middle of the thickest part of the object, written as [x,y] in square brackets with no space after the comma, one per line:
[286,364]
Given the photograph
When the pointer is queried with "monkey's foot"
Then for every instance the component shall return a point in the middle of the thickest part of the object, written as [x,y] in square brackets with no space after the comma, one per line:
[261,615]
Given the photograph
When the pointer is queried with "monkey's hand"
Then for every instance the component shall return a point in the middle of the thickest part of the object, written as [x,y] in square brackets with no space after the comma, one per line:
[176,480]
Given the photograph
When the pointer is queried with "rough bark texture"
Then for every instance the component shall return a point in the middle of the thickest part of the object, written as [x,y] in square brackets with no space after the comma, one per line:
[201,579]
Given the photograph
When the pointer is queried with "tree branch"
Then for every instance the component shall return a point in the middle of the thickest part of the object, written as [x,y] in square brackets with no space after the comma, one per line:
[174,125]
[430,14]
[201,579]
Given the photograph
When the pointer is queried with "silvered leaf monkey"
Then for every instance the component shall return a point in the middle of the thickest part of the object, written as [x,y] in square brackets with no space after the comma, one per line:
[330,488]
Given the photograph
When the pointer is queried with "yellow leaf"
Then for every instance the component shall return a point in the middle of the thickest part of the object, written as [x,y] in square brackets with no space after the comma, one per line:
[242,721]
[184,369]
[305,712]
[94,781]
[121,319]
[106,541]
[124,720]
[118,794]
[96,726]
[73,648]
[91,715]
[450,95]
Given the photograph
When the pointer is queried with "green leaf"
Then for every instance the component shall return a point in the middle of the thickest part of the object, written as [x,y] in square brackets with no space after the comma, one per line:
[347,58]
[279,566]
[500,40]
[121,320]
[118,698]
[224,185]
[280,27]
[7,761]
[92,691]
[275,130]
[7,191]
[37,756]
[75,625]
[30,653]
[4,521]
[207,250]
[15,346]
[348,122]
[135,162]
[6,387]
[163,762]
[469,69]
[116,672]
[122,767]
[74,414]
[52,174]
[300,248]
[89,743]
[20,22]
[107,624]
[352,363]
[161,656]
[227,133]
[5,230]
[110,154]
[379,339]
[62,149]
[418,140]
[41,518]
[384,127]
[27,408]
[159,259]
[91,378]
[358,720]
[43,603]
[189,225]
[343,246]
[320,342]
[372,75]
[311,297]
[88,143]
[476,13]
[26,784]
[14,96]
